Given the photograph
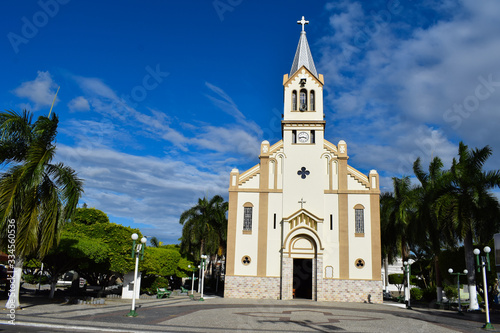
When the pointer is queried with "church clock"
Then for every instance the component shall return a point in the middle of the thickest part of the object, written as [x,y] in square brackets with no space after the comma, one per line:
[303,137]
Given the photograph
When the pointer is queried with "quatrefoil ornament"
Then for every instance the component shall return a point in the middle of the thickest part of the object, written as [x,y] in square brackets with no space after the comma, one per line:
[303,173]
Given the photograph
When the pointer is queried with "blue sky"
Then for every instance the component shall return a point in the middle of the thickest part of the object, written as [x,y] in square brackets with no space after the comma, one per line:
[159,100]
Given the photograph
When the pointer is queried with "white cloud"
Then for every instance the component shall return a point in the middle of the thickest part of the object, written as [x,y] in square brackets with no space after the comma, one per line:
[394,97]
[40,91]
[225,103]
[79,103]
[150,190]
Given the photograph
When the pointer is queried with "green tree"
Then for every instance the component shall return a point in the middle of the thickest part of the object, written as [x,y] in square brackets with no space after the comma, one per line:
[471,207]
[89,216]
[116,238]
[161,261]
[74,253]
[36,196]
[389,241]
[398,216]
[204,227]
[397,213]
[397,280]
[430,231]
[154,242]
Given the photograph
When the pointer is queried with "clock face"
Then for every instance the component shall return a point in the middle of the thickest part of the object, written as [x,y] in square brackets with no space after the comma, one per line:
[303,137]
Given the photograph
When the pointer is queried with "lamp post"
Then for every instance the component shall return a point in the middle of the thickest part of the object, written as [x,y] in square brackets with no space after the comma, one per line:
[136,251]
[203,262]
[450,270]
[199,278]
[485,260]
[407,268]
[192,283]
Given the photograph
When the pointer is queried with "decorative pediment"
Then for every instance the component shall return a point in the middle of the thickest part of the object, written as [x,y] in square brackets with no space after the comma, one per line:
[249,174]
[300,73]
[358,176]
[330,147]
[303,218]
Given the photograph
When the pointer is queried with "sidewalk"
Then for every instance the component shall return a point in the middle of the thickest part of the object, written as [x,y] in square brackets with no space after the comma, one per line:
[181,314]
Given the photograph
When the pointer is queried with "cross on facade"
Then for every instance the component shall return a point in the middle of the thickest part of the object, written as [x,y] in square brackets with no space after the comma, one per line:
[302,202]
[303,22]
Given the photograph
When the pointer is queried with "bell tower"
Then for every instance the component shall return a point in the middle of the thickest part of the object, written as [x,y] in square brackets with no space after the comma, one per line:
[303,129]
[303,119]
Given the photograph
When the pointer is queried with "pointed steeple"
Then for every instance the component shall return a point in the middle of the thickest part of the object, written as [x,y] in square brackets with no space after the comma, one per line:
[303,56]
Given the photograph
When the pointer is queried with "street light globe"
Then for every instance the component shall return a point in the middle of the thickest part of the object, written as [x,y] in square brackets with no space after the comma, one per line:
[189,266]
[199,266]
[411,261]
[405,263]
[450,270]
[487,249]
[476,252]
[135,236]
[466,271]
[144,240]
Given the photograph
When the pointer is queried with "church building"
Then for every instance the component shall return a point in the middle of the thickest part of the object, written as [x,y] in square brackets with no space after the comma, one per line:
[303,223]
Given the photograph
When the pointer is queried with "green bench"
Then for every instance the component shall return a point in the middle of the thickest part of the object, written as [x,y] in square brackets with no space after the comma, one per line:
[163,292]
[184,290]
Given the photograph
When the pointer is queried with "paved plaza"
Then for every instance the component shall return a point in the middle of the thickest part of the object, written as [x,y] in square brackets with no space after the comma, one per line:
[181,314]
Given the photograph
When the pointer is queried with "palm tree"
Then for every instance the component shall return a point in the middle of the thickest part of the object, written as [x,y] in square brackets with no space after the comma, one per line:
[154,242]
[429,229]
[204,227]
[397,216]
[400,212]
[36,196]
[390,247]
[470,206]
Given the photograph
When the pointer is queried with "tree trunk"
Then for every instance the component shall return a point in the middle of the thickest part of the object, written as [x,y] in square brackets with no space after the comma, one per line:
[471,276]
[386,274]
[53,283]
[14,284]
[439,283]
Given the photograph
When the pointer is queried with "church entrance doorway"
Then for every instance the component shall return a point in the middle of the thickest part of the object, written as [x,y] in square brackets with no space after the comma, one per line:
[302,278]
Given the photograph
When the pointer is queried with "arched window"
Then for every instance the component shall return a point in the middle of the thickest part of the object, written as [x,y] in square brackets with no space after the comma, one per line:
[303,100]
[294,100]
[311,100]
[247,216]
[359,218]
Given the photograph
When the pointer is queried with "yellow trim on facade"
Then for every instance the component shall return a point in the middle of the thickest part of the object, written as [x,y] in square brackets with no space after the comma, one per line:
[231,232]
[376,241]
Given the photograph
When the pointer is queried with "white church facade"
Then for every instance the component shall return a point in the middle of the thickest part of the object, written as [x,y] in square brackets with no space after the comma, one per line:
[303,223]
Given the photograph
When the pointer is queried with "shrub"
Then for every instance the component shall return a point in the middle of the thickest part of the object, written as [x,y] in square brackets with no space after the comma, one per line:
[34,279]
[450,292]
[151,282]
[416,293]
[429,294]
[480,298]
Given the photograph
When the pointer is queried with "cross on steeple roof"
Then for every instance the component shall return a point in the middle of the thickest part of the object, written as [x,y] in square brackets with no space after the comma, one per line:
[303,22]
[303,56]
